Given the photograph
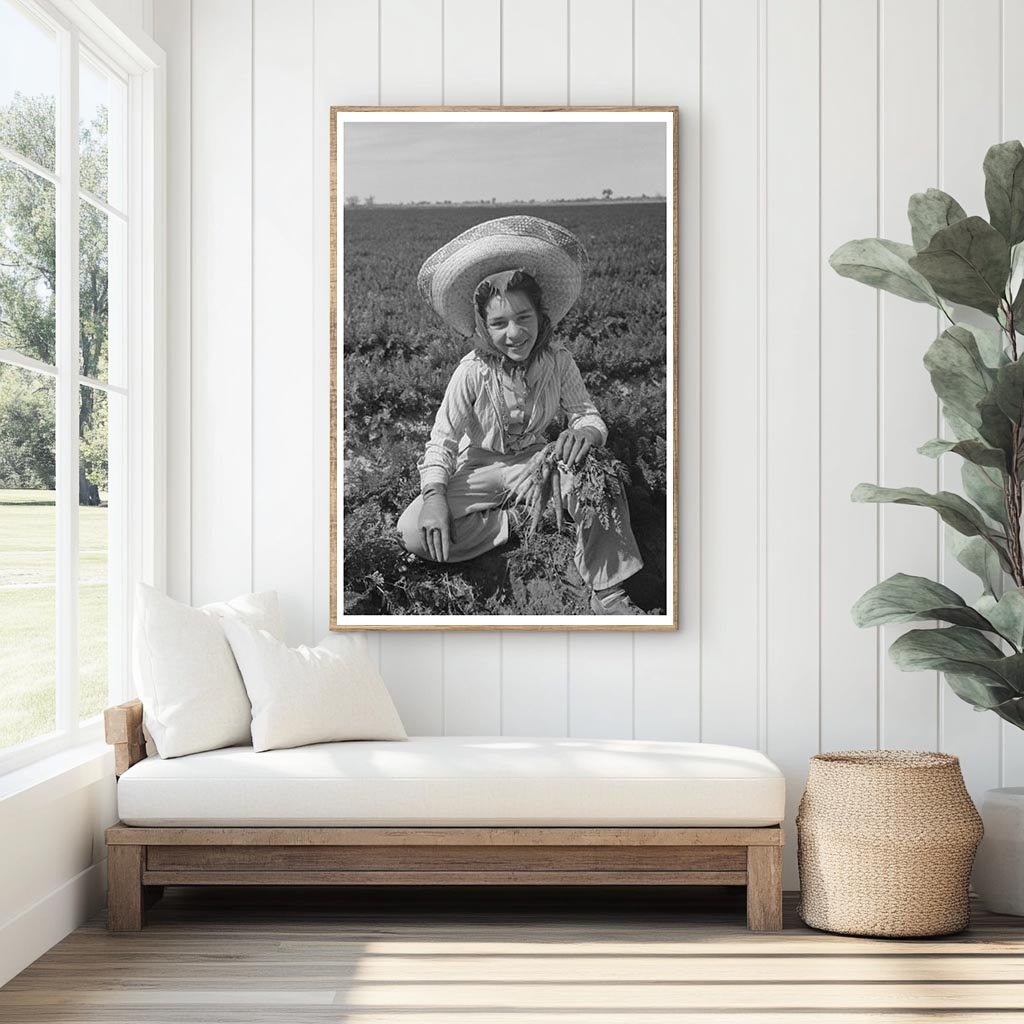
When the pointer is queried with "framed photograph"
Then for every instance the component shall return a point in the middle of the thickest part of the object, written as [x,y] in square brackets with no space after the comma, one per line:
[504,368]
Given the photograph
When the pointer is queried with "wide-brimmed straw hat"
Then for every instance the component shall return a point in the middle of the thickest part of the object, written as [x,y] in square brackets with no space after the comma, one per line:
[551,254]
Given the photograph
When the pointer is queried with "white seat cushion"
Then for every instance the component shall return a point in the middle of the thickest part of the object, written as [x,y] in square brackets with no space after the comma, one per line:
[459,780]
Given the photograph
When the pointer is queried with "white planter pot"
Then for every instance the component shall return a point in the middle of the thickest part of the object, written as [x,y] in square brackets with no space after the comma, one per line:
[998,877]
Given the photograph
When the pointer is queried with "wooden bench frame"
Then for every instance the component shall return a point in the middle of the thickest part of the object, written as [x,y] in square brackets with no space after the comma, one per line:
[142,860]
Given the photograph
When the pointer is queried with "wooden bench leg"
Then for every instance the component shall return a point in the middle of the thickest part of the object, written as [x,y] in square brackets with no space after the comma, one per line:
[125,897]
[764,888]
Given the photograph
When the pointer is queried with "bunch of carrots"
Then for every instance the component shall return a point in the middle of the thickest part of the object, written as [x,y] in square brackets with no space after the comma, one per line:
[595,479]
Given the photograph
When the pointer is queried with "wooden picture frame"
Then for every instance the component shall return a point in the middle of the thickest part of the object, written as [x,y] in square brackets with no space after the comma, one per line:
[392,355]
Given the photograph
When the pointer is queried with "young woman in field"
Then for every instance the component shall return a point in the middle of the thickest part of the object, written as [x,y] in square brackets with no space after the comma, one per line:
[505,284]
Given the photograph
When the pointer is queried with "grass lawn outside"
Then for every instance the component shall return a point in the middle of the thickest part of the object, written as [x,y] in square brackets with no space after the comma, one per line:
[28,613]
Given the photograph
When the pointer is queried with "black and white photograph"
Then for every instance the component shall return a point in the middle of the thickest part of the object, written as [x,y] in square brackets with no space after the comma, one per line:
[504,368]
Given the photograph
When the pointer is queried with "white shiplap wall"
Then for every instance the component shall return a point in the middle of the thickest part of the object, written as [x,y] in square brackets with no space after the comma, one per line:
[804,123]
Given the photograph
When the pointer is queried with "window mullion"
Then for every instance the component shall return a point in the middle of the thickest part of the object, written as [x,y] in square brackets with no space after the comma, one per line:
[67,386]
[30,165]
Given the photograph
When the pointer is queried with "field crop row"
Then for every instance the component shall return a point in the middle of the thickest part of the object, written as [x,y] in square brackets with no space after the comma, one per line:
[397,358]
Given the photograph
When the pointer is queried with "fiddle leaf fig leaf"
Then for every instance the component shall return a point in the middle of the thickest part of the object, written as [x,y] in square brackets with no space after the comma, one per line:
[1009,390]
[962,651]
[979,557]
[1017,309]
[953,510]
[962,430]
[1004,189]
[1011,710]
[982,693]
[959,374]
[967,263]
[903,598]
[1014,284]
[1006,614]
[920,650]
[996,428]
[973,451]
[990,345]
[985,487]
[883,264]
[929,212]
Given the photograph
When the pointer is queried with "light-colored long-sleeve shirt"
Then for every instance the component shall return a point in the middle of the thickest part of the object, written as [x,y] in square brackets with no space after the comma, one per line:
[474,412]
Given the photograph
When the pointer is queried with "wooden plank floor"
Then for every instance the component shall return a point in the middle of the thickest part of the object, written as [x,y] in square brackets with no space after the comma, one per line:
[219,956]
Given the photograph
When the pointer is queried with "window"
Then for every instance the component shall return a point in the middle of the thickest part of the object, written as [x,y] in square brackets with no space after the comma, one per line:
[78,268]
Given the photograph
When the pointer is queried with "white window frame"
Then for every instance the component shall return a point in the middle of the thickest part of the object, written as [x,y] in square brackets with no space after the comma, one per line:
[141,64]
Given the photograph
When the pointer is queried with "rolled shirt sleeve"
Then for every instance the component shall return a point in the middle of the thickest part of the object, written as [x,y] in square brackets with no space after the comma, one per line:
[442,450]
[576,402]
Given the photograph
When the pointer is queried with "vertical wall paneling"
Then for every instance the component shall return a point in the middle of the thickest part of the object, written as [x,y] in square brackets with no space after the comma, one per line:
[221,370]
[1012,127]
[796,136]
[1006,52]
[535,70]
[909,414]
[346,49]
[600,685]
[472,684]
[472,52]
[172,29]
[600,667]
[729,359]
[849,369]
[411,71]
[600,52]
[283,308]
[792,416]
[344,54]
[666,666]
[968,125]
[472,74]
[534,52]
[412,665]
[411,52]
[534,695]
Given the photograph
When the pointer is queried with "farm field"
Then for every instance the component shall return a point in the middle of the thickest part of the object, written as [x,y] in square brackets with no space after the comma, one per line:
[28,523]
[397,358]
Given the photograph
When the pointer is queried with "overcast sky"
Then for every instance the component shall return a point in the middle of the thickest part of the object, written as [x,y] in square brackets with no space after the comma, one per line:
[437,161]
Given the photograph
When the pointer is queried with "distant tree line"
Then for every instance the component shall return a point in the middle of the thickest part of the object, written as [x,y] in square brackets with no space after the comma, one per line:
[606,195]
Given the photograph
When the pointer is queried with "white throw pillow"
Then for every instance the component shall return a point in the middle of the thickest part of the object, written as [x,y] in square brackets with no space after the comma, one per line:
[309,694]
[192,693]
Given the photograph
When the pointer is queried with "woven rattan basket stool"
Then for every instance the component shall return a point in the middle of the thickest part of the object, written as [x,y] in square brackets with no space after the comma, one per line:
[885,842]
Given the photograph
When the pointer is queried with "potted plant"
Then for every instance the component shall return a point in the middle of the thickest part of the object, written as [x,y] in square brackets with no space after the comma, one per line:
[978,374]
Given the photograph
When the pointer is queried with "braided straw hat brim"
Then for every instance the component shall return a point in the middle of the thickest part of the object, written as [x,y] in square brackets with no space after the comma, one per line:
[552,255]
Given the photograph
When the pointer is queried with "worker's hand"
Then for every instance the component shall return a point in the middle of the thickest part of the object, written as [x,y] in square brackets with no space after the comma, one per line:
[522,486]
[572,446]
[436,526]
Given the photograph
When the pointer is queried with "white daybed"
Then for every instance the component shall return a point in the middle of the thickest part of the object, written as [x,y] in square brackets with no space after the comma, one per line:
[445,811]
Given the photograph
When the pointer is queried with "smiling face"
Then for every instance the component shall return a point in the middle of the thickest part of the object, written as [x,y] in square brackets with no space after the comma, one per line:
[513,324]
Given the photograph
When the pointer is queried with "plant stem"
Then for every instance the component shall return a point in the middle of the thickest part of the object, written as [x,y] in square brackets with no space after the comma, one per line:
[1013,483]
[1013,509]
